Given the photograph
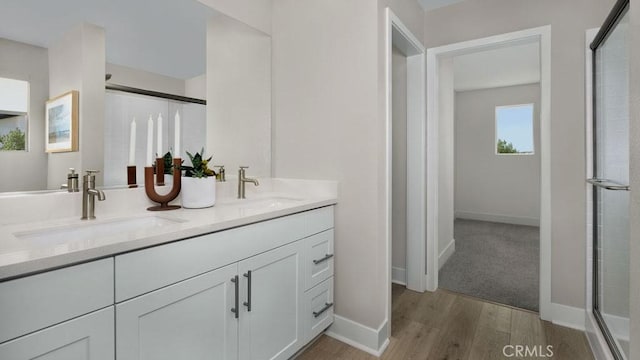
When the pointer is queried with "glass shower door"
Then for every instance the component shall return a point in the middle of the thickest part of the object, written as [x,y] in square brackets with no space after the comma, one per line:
[610,187]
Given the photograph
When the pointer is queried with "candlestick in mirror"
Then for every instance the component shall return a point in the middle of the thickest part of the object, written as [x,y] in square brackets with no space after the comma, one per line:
[131,176]
[160,171]
[163,200]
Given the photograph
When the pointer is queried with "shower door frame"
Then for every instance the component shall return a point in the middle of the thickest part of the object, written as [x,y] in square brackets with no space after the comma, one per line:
[619,10]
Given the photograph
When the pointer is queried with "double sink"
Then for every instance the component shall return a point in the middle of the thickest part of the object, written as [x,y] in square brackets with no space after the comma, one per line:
[83,230]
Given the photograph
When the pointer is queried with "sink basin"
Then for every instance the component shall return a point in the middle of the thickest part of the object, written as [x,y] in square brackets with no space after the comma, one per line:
[260,205]
[93,230]
[268,202]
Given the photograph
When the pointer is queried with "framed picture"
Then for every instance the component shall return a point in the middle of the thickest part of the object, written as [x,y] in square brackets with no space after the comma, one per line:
[62,123]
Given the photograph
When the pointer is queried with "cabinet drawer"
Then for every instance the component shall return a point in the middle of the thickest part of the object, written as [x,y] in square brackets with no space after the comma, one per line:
[146,270]
[89,337]
[318,309]
[35,302]
[319,220]
[318,258]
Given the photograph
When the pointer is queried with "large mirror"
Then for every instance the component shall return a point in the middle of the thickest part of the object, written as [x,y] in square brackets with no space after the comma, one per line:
[110,50]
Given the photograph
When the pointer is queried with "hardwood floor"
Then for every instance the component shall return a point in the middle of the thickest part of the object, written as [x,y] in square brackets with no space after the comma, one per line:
[446,325]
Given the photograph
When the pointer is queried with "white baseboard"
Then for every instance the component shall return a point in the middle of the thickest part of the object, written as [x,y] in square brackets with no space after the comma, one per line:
[431,285]
[446,253]
[568,316]
[359,336]
[507,219]
[399,276]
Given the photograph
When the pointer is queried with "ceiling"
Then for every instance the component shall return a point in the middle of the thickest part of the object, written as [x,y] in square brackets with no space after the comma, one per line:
[168,38]
[507,66]
[434,4]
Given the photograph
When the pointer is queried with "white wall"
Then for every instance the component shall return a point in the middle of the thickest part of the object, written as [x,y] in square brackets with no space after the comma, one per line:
[14,95]
[503,188]
[77,62]
[196,87]
[255,13]
[329,116]
[326,127]
[238,96]
[473,19]
[29,63]
[127,76]
[399,180]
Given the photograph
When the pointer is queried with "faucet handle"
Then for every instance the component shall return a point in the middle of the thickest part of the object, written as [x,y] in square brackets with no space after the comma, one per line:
[90,175]
[244,167]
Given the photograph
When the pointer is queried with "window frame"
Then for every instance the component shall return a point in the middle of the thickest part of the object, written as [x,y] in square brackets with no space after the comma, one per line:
[26,115]
[533,134]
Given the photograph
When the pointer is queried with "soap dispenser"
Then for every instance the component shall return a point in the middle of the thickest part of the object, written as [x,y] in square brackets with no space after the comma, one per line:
[72,181]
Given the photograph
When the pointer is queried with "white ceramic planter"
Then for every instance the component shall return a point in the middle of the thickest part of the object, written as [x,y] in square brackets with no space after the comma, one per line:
[198,193]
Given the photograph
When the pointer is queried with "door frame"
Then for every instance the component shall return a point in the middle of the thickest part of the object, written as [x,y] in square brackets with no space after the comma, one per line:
[399,35]
[542,35]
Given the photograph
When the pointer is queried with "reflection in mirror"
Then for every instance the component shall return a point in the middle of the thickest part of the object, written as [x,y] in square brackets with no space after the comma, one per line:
[122,107]
[14,102]
[160,48]
[176,47]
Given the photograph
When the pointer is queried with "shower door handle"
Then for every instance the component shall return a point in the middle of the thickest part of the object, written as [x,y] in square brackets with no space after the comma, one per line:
[608,184]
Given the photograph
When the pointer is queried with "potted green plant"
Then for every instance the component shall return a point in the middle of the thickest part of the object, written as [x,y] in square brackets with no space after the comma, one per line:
[198,183]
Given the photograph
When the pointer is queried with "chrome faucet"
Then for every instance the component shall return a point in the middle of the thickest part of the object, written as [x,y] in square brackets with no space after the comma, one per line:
[89,193]
[220,176]
[72,181]
[242,180]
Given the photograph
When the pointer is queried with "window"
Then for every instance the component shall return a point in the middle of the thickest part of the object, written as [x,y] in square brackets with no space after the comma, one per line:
[514,130]
[14,104]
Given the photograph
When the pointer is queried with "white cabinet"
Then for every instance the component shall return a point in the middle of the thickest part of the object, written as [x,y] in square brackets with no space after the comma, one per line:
[281,277]
[89,337]
[318,314]
[259,291]
[35,302]
[318,274]
[192,319]
[318,258]
[271,293]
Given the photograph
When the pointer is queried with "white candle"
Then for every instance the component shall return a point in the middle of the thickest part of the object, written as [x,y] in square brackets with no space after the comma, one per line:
[177,134]
[150,142]
[160,153]
[132,143]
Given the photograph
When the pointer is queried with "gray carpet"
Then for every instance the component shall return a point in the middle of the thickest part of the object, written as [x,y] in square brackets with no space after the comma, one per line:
[496,262]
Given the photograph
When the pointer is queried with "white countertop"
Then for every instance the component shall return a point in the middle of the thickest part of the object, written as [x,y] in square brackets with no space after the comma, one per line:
[19,256]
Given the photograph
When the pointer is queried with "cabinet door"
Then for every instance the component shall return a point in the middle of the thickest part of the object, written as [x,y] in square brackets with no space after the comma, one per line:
[88,337]
[192,319]
[271,291]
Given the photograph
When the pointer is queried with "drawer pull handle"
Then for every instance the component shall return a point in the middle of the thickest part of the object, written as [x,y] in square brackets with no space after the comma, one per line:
[248,302]
[237,291]
[327,257]
[326,307]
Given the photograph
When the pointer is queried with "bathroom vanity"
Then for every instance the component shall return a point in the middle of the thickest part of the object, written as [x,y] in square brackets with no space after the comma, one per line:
[241,280]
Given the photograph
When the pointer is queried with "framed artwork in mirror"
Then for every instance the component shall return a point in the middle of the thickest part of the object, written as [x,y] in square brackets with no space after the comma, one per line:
[61,118]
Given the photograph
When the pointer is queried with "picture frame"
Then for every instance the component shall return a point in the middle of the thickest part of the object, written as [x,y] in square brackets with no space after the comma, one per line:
[61,119]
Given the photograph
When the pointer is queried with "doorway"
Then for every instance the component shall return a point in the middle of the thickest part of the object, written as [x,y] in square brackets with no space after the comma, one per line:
[405,157]
[493,243]
[440,168]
